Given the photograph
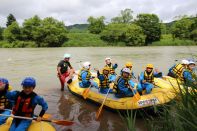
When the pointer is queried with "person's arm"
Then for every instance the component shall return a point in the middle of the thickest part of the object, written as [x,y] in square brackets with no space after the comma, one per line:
[188,76]
[142,77]
[12,95]
[133,75]
[122,87]
[69,65]
[83,77]
[43,104]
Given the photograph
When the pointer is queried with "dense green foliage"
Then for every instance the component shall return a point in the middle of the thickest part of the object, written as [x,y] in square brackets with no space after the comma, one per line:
[151,27]
[12,32]
[36,32]
[182,28]
[84,39]
[10,19]
[1,33]
[123,30]
[96,25]
[131,34]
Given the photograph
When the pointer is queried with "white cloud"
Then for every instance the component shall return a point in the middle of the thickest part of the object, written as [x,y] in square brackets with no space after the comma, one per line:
[77,11]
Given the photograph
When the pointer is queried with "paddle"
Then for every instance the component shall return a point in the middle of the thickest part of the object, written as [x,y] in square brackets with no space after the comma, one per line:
[45,116]
[86,92]
[136,96]
[101,107]
[58,122]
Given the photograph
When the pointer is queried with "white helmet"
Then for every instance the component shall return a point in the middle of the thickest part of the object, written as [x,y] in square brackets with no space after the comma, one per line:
[67,55]
[126,70]
[191,62]
[184,61]
[107,58]
[86,65]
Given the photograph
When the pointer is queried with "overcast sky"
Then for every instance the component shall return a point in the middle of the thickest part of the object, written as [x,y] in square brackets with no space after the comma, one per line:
[77,11]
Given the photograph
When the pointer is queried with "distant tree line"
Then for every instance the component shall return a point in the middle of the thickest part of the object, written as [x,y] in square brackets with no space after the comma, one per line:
[141,31]
[34,32]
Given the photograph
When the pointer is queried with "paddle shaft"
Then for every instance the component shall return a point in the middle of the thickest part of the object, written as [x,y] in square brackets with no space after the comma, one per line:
[101,107]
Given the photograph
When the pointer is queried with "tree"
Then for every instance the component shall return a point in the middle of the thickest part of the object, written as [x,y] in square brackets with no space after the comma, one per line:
[12,32]
[193,35]
[10,19]
[124,17]
[131,34]
[96,25]
[134,36]
[151,27]
[113,32]
[30,28]
[1,33]
[181,28]
[51,33]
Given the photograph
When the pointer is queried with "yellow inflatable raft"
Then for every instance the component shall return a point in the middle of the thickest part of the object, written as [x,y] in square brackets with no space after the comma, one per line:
[158,96]
[35,126]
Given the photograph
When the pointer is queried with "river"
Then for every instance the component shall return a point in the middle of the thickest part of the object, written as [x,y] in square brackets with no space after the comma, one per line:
[15,64]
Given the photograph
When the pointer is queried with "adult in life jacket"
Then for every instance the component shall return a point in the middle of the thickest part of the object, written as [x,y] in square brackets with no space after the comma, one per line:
[146,79]
[25,103]
[4,102]
[176,71]
[123,84]
[105,80]
[189,75]
[65,71]
[130,66]
[85,76]
[112,67]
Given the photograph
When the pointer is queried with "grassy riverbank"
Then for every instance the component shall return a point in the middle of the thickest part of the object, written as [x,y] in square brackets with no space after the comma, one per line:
[180,115]
[85,39]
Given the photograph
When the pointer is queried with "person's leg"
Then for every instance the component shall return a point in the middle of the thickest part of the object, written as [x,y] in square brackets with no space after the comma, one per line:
[13,125]
[23,125]
[4,118]
[149,87]
[139,87]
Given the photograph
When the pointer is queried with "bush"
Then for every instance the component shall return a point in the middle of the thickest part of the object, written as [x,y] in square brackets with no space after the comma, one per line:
[22,44]
[84,39]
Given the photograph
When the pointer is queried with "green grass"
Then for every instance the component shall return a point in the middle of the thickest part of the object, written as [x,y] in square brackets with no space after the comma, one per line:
[179,115]
[167,40]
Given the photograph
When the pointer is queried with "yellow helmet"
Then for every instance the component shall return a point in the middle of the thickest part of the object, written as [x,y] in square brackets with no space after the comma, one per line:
[106,68]
[149,66]
[129,64]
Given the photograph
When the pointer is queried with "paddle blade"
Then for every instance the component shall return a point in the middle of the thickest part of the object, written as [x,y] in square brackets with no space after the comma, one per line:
[46,116]
[99,112]
[136,97]
[85,93]
[63,122]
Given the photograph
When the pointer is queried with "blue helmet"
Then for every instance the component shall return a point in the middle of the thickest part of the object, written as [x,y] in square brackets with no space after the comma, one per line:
[4,81]
[29,82]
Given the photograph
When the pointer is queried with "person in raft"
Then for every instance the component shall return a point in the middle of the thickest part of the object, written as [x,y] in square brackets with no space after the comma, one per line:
[25,103]
[112,67]
[146,79]
[5,104]
[177,70]
[105,80]
[123,85]
[64,70]
[188,74]
[130,66]
[85,76]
